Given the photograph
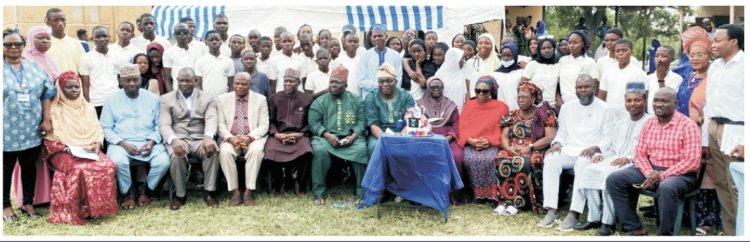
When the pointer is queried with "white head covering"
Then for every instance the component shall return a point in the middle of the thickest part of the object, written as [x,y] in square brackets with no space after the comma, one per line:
[454,81]
[492,62]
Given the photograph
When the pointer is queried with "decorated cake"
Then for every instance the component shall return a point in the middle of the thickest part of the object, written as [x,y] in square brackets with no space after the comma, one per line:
[416,122]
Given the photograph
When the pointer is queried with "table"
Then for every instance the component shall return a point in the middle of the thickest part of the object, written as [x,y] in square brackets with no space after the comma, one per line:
[419,169]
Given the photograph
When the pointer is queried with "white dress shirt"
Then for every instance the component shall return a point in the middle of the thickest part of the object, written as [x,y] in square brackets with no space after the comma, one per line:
[570,69]
[614,81]
[507,85]
[581,127]
[215,71]
[725,92]
[672,80]
[545,77]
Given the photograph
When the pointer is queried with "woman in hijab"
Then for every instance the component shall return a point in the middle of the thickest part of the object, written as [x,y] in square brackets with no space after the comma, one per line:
[155,52]
[532,43]
[148,80]
[458,41]
[527,133]
[37,50]
[508,75]
[454,82]
[422,69]
[544,71]
[470,49]
[479,133]
[436,105]
[81,187]
[487,60]
[438,54]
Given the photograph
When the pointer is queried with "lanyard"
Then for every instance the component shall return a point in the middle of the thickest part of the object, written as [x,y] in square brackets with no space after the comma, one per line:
[19,75]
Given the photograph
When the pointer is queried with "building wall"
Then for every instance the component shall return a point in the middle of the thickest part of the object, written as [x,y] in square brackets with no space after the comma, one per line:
[77,17]
[709,11]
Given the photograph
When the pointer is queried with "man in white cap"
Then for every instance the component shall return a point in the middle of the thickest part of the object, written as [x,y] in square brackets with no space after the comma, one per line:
[372,59]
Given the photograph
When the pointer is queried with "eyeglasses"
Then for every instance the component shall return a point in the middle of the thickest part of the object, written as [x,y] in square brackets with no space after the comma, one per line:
[13,45]
[436,88]
[482,91]
[388,81]
[697,55]
[181,32]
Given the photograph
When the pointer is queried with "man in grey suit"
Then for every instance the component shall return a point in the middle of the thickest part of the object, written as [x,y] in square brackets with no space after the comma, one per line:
[188,122]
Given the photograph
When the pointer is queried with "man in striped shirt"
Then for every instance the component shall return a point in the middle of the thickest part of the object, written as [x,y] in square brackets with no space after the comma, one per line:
[667,157]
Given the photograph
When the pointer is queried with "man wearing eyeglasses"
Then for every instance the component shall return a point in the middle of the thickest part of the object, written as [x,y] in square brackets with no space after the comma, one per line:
[179,56]
[385,107]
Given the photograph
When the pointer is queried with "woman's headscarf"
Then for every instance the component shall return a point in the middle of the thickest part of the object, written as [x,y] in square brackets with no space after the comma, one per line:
[482,119]
[37,56]
[490,81]
[540,59]
[420,43]
[540,29]
[695,36]
[148,75]
[73,121]
[442,46]
[159,77]
[470,43]
[585,38]
[514,49]
[441,107]
[540,116]
[492,62]
[454,81]
[158,47]
[454,39]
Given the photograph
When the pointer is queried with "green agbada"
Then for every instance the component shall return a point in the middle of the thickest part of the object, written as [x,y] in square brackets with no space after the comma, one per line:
[340,117]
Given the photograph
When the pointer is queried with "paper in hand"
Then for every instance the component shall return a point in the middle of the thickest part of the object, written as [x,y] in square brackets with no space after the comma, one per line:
[80,152]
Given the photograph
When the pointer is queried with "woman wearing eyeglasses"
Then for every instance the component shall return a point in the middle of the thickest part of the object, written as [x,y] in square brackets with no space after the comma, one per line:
[480,135]
[27,91]
[508,75]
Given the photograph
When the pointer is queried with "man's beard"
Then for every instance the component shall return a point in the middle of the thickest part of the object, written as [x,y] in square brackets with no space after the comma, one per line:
[586,100]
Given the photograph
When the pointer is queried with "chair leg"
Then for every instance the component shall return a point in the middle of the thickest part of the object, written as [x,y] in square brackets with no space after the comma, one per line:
[678,218]
[693,222]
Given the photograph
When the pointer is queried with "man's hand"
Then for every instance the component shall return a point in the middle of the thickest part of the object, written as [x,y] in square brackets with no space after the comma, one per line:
[620,162]
[705,153]
[131,149]
[739,152]
[555,148]
[208,146]
[146,149]
[332,139]
[651,179]
[589,152]
[179,147]
[280,137]
[662,68]
[47,126]
[349,140]
[597,158]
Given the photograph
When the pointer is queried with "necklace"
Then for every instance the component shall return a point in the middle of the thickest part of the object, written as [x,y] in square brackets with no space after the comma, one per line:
[695,80]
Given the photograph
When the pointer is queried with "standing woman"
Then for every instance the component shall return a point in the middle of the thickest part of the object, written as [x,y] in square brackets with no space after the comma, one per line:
[148,79]
[155,52]
[394,43]
[544,71]
[453,79]
[562,47]
[508,76]
[423,69]
[37,51]
[486,61]
[27,91]
[438,54]
[82,188]
[458,41]
[571,66]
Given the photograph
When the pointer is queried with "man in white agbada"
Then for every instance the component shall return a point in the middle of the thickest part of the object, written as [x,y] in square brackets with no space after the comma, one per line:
[592,176]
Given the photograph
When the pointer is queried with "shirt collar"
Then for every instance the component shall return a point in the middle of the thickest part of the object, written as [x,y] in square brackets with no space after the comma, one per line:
[242,99]
[736,58]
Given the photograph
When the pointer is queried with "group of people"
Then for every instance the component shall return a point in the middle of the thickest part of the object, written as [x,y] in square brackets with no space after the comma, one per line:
[514,123]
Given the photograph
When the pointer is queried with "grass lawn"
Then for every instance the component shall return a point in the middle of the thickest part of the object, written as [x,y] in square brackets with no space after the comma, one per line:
[296,216]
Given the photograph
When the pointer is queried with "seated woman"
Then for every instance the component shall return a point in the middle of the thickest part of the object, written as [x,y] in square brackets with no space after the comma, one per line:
[81,187]
[438,106]
[479,132]
[527,132]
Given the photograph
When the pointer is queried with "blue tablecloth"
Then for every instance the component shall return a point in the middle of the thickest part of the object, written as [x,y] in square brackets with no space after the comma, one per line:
[419,169]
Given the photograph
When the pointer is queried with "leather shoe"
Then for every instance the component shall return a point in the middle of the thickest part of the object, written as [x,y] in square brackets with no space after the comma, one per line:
[587,225]
[176,203]
[604,230]
[144,200]
[211,201]
[235,201]
[650,214]
[638,232]
[248,200]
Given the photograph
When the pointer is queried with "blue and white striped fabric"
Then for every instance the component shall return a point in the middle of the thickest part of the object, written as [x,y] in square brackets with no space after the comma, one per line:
[167,16]
[397,18]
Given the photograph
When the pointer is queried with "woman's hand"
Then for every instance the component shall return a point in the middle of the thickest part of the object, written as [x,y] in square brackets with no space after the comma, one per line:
[46,126]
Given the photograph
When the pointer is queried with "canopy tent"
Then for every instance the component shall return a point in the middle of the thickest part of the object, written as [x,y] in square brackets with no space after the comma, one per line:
[447,21]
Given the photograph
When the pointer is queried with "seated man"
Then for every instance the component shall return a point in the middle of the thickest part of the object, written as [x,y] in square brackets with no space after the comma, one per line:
[385,107]
[243,129]
[337,121]
[289,147]
[580,136]
[624,136]
[667,156]
[130,121]
[188,122]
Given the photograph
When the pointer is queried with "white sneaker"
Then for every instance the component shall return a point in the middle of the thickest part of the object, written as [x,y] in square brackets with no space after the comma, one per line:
[500,209]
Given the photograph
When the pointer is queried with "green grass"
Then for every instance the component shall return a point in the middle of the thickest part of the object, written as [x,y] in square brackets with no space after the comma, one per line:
[297,216]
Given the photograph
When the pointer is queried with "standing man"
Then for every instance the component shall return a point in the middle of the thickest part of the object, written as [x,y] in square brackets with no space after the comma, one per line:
[374,58]
[64,50]
[194,42]
[147,25]
[179,56]
[123,48]
[307,56]
[237,44]
[130,120]
[613,82]
[725,100]
[350,60]
[243,130]
[264,57]
[188,121]
[98,70]
[287,59]
[83,36]
[260,80]
[277,40]
[253,38]
[221,24]
[214,72]
[663,76]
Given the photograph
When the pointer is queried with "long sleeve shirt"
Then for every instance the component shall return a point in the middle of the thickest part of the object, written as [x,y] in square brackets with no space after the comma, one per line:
[675,146]
[131,120]
[581,127]
[725,92]
[368,68]
[624,136]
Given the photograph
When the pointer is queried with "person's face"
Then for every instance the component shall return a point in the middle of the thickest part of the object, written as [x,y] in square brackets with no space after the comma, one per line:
[564,48]
[408,36]
[622,54]
[142,63]
[323,60]
[130,84]
[221,24]
[323,38]
[185,82]
[236,44]
[395,44]
[72,90]
[148,24]
[253,38]
[634,103]
[213,41]
[277,40]
[707,25]
[662,56]
[438,56]
[417,52]
[506,55]
[575,43]
[468,52]
[483,92]
[663,104]
[125,32]
[248,61]
[336,86]
[525,100]
[42,42]
[699,58]
[378,39]
[436,89]
[155,57]
[265,48]
[458,41]
[182,34]
[306,45]
[16,46]
[585,91]
[290,85]
[484,47]
[101,38]
[191,27]
[305,30]
[722,45]
[533,45]
[333,45]
[352,43]
[56,21]
[242,86]
[287,44]
[430,40]
[386,86]
[547,50]
[609,41]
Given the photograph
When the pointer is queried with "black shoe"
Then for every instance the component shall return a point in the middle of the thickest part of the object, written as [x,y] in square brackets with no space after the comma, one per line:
[604,230]
[647,208]
[587,225]
[650,214]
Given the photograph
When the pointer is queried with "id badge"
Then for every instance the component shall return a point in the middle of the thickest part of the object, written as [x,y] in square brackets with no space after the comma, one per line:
[24,97]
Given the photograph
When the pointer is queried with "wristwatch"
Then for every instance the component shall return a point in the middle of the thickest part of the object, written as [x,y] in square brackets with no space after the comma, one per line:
[531,146]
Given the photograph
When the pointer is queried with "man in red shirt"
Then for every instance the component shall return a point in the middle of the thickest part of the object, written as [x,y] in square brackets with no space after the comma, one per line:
[667,157]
